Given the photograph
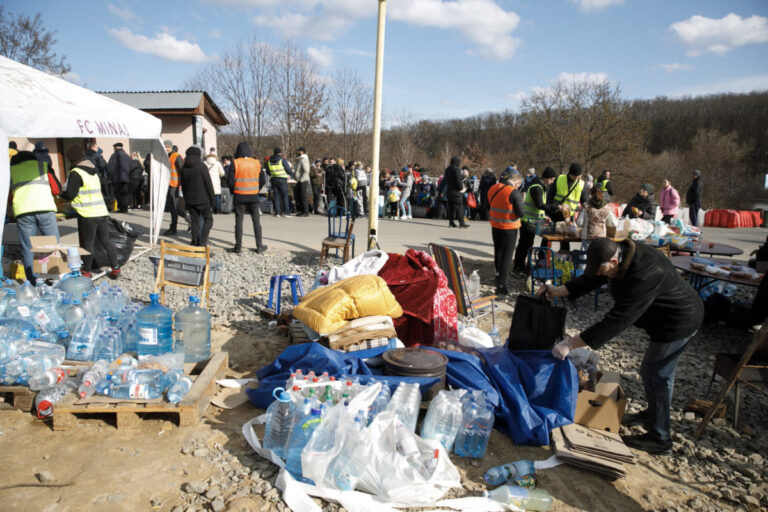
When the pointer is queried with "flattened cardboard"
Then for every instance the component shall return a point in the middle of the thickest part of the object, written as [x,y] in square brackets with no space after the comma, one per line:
[603,408]
[597,442]
[607,467]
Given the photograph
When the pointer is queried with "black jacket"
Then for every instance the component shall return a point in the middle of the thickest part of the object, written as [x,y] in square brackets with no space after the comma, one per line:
[537,196]
[136,174]
[644,204]
[42,154]
[74,181]
[243,150]
[693,195]
[119,167]
[648,293]
[98,162]
[608,186]
[452,179]
[196,182]
[487,180]
[335,178]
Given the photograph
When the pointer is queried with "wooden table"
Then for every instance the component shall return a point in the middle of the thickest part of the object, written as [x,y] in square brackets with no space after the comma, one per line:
[700,278]
[710,248]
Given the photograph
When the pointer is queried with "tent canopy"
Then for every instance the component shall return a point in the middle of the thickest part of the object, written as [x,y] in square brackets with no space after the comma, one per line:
[38,105]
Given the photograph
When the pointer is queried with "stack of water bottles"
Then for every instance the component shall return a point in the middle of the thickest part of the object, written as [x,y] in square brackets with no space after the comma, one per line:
[476,425]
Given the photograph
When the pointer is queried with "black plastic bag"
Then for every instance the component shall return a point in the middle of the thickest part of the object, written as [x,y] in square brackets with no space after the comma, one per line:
[123,236]
[536,324]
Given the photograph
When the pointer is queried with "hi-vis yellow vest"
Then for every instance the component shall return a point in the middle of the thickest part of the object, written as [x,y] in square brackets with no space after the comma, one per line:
[89,201]
[561,189]
[31,190]
[276,170]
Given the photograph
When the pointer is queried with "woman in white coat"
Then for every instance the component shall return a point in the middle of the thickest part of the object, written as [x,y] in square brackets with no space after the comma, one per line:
[216,171]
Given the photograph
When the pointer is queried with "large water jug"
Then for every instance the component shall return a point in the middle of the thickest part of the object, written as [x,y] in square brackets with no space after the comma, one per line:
[7,301]
[443,420]
[155,323]
[475,430]
[83,342]
[279,419]
[26,293]
[300,434]
[75,284]
[73,315]
[193,331]
[347,468]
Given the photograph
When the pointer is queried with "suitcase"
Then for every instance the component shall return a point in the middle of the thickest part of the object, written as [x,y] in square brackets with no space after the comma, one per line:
[227,201]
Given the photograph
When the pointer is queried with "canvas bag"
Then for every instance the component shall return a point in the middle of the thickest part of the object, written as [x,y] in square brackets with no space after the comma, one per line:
[536,324]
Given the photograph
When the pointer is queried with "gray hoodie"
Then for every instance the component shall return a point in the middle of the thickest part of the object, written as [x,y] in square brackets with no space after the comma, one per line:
[302,168]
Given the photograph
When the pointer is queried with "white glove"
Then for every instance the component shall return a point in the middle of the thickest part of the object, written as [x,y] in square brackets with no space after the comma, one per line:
[562,349]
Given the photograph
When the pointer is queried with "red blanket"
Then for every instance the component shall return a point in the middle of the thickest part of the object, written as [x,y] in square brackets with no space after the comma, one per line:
[412,282]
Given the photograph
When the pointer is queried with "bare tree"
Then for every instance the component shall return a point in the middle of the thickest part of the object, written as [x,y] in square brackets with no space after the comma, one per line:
[402,138]
[300,105]
[352,111]
[24,40]
[243,85]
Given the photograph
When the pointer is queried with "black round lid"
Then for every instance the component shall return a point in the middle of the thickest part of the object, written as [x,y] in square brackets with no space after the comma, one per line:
[415,358]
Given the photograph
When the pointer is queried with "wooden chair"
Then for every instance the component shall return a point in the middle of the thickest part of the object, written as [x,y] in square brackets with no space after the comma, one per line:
[339,240]
[184,251]
[737,372]
[450,263]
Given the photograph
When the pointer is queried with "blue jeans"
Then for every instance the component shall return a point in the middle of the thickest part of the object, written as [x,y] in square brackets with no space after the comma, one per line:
[405,206]
[280,198]
[658,374]
[30,225]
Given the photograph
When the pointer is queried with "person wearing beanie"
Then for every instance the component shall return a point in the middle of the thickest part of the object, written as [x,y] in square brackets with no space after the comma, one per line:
[535,209]
[693,198]
[487,180]
[505,214]
[85,191]
[649,293]
[279,172]
[244,179]
[641,206]
[454,188]
[199,196]
[12,150]
[567,192]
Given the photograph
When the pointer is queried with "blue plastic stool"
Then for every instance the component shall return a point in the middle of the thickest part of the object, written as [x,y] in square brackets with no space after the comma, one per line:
[297,289]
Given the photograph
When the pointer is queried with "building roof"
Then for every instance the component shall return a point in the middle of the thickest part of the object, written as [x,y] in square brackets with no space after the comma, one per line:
[169,101]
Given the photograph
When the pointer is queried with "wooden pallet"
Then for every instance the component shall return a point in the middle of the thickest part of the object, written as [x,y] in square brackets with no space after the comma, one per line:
[21,397]
[297,335]
[128,413]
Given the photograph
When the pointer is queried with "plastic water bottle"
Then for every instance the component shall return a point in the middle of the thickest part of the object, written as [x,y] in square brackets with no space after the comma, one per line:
[474,284]
[155,323]
[380,402]
[26,293]
[179,389]
[93,376]
[8,299]
[50,377]
[193,331]
[495,337]
[500,474]
[300,435]
[90,305]
[74,314]
[22,325]
[349,464]
[76,284]
[279,420]
[135,391]
[11,341]
[83,341]
[50,395]
[46,318]
[443,420]
[405,403]
[405,444]
[475,430]
[109,345]
[537,500]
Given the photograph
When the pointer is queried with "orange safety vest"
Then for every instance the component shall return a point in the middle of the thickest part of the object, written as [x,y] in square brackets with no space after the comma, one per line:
[174,171]
[247,171]
[502,214]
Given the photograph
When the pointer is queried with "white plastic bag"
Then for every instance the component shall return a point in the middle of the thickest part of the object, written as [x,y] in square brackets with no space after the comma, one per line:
[475,338]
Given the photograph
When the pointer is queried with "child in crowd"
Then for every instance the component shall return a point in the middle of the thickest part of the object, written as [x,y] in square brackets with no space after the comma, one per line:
[393,199]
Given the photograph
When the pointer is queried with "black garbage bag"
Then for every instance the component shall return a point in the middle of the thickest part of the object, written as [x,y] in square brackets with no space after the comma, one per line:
[123,236]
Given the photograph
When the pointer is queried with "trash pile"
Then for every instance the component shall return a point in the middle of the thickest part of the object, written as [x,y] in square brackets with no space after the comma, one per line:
[42,325]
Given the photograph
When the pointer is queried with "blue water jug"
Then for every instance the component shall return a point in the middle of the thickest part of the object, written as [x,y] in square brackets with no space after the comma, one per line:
[155,323]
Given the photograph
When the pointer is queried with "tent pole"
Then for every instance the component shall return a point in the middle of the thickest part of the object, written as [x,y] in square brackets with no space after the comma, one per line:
[373,196]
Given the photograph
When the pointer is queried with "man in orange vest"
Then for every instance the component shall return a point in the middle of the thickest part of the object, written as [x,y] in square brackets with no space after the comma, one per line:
[245,179]
[505,212]
[172,199]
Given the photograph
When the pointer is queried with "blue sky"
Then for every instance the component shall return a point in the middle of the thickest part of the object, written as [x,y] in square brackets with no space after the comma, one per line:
[443,58]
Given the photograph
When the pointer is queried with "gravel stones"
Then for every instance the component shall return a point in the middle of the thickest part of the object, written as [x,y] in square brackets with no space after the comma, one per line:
[44,477]
[196,487]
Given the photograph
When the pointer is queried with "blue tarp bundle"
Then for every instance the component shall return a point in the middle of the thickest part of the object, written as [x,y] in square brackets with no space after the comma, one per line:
[532,392]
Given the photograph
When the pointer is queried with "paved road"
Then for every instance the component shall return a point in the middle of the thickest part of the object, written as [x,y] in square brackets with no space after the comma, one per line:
[302,234]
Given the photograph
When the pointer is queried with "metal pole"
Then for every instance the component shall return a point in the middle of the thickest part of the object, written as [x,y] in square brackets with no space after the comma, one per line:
[373,196]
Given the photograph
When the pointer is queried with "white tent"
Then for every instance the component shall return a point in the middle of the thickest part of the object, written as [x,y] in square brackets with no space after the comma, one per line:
[38,105]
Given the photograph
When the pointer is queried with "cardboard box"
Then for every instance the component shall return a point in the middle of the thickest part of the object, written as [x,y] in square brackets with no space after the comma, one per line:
[50,257]
[603,408]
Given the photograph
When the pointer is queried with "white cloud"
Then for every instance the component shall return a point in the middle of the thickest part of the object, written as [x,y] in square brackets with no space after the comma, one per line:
[734,85]
[214,33]
[71,76]
[162,45]
[484,22]
[518,96]
[671,68]
[124,14]
[704,35]
[583,77]
[323,56]
[596,5]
